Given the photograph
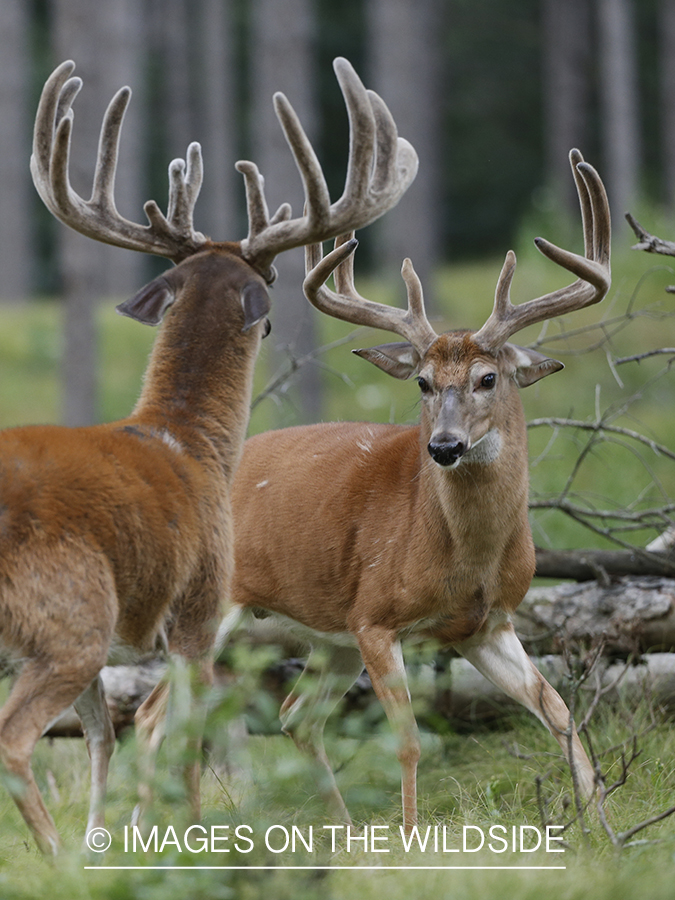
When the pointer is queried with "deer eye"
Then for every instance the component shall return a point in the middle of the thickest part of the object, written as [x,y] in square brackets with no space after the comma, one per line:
[425,387]
[488,381]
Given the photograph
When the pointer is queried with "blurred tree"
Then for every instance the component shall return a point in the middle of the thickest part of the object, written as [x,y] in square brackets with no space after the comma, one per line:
[492,142]
[404,68]
[281,59]
[619,103]
[217,122]
[191,84]
[492,114]
[89,270]
[171,31]
[15,236]
[666,32]
[565,47]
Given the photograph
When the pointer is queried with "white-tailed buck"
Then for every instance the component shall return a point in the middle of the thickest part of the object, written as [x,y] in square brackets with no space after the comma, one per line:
[115,539]
[356,536]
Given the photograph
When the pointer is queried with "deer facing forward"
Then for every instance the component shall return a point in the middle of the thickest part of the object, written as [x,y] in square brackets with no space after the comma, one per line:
[355,536]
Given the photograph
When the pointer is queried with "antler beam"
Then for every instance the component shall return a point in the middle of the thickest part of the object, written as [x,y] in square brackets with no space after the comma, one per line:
[347,304]
[380,169]
[592,269]
[172,236]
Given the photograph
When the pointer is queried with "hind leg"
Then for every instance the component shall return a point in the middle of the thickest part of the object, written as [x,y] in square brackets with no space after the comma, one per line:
[150,723]
[304,714]
[173,707]
[39,696]
[58,611]
[99,735]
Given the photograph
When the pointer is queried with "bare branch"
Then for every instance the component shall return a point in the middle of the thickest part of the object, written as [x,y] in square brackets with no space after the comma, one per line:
[668,351]
[648,242]
[294,364]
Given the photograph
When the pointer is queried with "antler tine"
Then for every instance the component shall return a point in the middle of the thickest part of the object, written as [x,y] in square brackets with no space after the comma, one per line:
[55,101]
[380,169]
[98,218]
[418,329]
[592,269]
[347,304]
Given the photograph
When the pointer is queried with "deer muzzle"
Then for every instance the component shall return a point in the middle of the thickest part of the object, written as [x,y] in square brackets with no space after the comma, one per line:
[446,449]
[449,440]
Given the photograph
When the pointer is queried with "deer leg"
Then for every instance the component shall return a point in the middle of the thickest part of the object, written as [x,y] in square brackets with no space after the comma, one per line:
[382,654]
[40,694]
[304,714]
[203,673]
[99,736]
[173,699]
[150,725]
[502,659]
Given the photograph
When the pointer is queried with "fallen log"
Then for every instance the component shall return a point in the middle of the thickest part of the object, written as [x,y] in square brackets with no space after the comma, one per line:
[461,695]
[601,565]
[630,615]
[470,699]
[126,687]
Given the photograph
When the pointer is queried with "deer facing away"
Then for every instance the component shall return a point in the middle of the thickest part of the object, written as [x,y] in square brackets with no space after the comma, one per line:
[116,538]
[355,536]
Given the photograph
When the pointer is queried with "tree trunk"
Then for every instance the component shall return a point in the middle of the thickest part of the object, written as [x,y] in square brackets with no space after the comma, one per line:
[404,49]
[587,565]
[217,121]
[629,615]
[565,72]
[16,247]
[619,103]
[126,687]
[90,270]
[282,33]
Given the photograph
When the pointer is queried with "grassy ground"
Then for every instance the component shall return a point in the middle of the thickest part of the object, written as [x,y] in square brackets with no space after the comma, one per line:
[465,779]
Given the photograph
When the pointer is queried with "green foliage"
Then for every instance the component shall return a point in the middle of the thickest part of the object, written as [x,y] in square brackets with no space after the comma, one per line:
[464,780]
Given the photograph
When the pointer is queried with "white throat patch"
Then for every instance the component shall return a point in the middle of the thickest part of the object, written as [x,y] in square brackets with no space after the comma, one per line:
[486,450]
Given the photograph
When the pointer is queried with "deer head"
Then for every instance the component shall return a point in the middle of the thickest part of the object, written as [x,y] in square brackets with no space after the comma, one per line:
[466,378]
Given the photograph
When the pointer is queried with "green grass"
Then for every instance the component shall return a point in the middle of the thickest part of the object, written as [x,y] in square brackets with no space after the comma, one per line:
[465,779]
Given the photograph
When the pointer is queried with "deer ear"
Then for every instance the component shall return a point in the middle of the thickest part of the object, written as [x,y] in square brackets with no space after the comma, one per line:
[400,359]
[531,366]
[256,303]
[150,303]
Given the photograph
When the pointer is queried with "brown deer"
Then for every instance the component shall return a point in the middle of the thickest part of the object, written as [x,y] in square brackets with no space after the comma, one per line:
[117,538]
[355,536]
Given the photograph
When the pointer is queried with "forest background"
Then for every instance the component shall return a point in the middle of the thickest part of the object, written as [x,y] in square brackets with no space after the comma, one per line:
[492,94]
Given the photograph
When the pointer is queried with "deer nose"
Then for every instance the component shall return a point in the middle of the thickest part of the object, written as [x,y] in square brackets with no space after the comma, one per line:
[446,449]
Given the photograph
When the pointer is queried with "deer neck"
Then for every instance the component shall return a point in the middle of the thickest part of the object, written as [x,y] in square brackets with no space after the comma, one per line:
[198,384]
[478,504]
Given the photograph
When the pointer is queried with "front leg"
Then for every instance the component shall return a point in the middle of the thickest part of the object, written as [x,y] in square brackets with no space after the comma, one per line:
[383,658]
[501,658]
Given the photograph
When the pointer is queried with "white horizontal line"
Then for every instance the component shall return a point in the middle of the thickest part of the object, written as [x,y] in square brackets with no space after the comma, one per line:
[323,868]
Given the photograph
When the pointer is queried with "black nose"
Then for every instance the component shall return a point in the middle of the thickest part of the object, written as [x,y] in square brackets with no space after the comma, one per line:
[446,450]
